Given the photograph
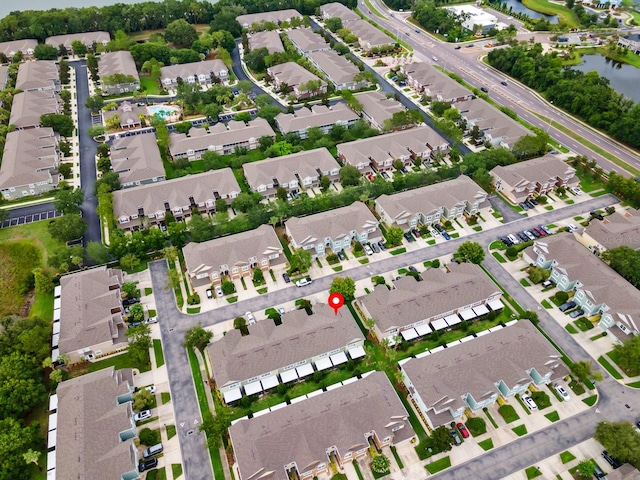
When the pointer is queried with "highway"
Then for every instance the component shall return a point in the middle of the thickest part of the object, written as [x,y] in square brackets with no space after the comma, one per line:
[522,100]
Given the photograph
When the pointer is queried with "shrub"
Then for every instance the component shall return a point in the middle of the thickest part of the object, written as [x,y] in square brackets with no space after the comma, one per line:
[562,296]
[149,437]
[541,399]
[193,299]
[477,426]
[228,287]
[380,464]
[511,252]
[435,263]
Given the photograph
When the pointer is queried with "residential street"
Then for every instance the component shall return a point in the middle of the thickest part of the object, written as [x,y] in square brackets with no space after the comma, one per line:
[494,464]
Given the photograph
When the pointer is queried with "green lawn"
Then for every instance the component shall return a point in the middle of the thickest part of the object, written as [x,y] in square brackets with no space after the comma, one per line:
[546,304]
[532,472]
[591,401]
[508,413]
[157,350]
[583,324]
[520,430]
[567,456]
[120,361]
[615,356]
[524,282]
[609,368]
[149,85]
[157,474]
[553,416]
[398,251]
[176,469]
[397,457]
[165,397]
[42,306]
[498,257]
[486,444]
[171,431]
[571,329]
[438,465]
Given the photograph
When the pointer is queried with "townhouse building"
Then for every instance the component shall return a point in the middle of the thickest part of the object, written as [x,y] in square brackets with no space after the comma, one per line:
[632,42]
[233,256]
[369,37]
[270,354]
[338,10]
[220,138]
[438,86]
[598,289]
[620,229]
[431,204]
[38,75]
[475,374]
[376,108]
[137,160]
[26,46]
[269,39]
[318,116]
[4,76]
[29,163]
[379,153]
[333,230]
[201,73]
[322,432]
[443,299]
[497,128]
[277,17]
[306,41]
[295,172]
[118,73]
[29,106]
[538,176]
[91,314]
[296,78]
[89,39]
[94,430]
[149,205]
[339,71]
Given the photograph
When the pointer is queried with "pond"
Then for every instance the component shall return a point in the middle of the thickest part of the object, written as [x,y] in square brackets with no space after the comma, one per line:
[517,6]
[623,77]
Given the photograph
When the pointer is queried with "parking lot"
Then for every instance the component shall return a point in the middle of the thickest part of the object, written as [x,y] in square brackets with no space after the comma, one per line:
[35,217]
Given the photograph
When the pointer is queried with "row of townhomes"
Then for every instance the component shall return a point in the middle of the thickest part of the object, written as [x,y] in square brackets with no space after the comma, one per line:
[149,204]
[270,354]
[277,17]
[622,228]
[296,172]
[269,39]
[442,299]
[379,153]
[428,80]
[39,82]
[297,79]
[318,116]
[321,431]
[498,128]
[598,289]
[137,160]
[369,36]
[523,180]
[118,73]
[234,256]
[473,374]
[27,46]
[201,73]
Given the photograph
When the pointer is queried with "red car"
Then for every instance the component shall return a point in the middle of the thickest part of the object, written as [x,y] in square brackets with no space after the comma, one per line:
[463,430]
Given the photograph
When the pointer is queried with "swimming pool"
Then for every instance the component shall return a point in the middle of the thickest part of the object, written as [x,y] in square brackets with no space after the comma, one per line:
[163,110]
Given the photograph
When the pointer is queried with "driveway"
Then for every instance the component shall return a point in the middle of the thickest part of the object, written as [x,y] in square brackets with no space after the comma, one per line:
[508,213]
[241,75]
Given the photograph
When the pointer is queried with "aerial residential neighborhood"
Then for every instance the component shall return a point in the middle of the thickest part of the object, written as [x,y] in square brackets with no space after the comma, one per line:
[340,241]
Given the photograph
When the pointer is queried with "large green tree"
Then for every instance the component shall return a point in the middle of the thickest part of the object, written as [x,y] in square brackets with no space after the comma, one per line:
[180,33]
[68,201]
[21,386]
[60,123]
[68,227]
[394,236]
[15,440]
[344,285]
[197,337]
[471,252]
[350,176]
[139,344]
[620,439]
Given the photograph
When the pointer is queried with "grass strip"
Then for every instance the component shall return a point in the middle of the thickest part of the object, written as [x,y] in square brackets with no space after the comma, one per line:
[486,444]
[438,465]
[159,354]
[609,368]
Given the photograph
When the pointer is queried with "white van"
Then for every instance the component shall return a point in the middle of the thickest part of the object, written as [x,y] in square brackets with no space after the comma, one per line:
[151,451]
[435,59]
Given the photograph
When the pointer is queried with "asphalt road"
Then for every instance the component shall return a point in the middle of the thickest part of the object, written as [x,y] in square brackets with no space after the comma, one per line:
[88,149]
[518,98]
[173,324]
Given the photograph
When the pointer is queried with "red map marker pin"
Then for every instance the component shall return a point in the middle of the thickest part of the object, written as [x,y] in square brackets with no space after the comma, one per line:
[336,300]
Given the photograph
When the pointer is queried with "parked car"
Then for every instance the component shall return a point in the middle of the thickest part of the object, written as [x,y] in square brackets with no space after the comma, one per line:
[597,215]
[143,415]
[571,228]
[219,292]
[375,247]
[152,320]
[576,190]
[416,233]
[304,282]
[341,255]
[614,462]
[250,318]
[546,229]
[151,388]
[281,310]
[446,236]
[529,203]
[412,269]
[567,306]
[147,465]
[523,236]
[524,206]
[286,278]
[382,246]
[546,283]
[463,430]
[209,293]
[576,313]
[384,175]
[534,201]
[513,239]
[127,302]
[456,437]
[409,238]
[435,232]
[153,450]
[528,401]
[540,231]
[439,227]
[529,235]
[562,392]
[367,249]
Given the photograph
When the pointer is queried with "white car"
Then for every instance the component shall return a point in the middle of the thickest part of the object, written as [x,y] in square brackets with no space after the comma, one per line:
[576,190]
[250,318]
[219,292]
[303,282]
[367,250]
[435,232]
[528,401]
[143,415]
[281,310]
[562,392]
[571,228]
[152,320]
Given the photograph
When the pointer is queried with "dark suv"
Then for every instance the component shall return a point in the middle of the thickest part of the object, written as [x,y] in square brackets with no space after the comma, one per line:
[567,306]
[147,464]
[614,462]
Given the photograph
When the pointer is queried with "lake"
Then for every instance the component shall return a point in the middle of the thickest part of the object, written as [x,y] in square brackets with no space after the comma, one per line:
[517,6]
[623,77]
[8,6]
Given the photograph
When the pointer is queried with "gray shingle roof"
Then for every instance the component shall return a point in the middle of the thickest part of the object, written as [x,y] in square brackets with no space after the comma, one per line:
[377,106]
[29,106]
[88,38]
[336,67]
[285,168]
[439,293]
[267,39]
[24,45]
[89,423]
[337,223]
[89,312]
[540,170]
[269,347]
[435,81]
[368,34]
[492,121]
[307,40]
[137,158]
[28,157]
[186,70]
[303,432]
[117,62]
[335,9]
[318,116]
[176,192]
[36,75]
[431,198]
[292,74]
[219,136]
[277,17]
[475,366]
[207,257]
[620,228]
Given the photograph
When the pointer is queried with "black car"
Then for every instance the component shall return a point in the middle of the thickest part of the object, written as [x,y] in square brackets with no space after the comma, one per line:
[147,465]
[597,215]
[130,301]
[382,246]
[375,247]
[529,203]
[567,306]
[534,233]
[409,238]
[614,462]
[524,206]
[412,268]
[523,237]
[439,227]
[484,89]
[534,201]
[341,255]
[286,278]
